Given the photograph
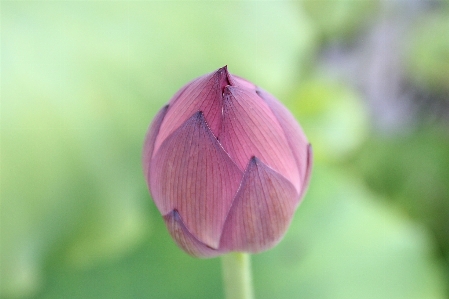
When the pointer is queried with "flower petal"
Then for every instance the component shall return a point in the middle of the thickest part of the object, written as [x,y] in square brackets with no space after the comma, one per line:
[202,94]
[261,212]
[241,82]
[192,174]
[308,173]
[150,139]
[249,128]
[185,239]
[296,138]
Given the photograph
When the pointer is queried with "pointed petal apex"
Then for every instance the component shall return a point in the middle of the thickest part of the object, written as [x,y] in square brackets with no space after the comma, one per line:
[185,239]
[223,77]
[249,128]
[192,174]
[261,212]
[202,94]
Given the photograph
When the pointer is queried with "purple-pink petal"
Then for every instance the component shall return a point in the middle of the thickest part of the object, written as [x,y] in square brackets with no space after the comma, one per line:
[249,128]
[150,139]
[296,138]
[191,173]
[227,165]
[185,239]
[308,173]
[242,83]
[203,94]
[261,212]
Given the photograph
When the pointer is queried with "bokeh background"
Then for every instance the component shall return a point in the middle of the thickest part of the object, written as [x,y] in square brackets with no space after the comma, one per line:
[81,81]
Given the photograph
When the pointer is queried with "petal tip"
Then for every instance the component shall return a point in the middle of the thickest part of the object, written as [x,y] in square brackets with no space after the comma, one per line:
[185,239]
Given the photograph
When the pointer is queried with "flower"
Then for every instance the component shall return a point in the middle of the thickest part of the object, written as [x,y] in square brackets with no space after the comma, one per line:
[227,165]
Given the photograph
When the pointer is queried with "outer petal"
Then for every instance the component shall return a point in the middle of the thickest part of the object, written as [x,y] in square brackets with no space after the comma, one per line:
[150,139]
[241,82]
[308,173]
[261,212]
[192,174]
[249,128]
[203,94]
[296,138]
[185,239]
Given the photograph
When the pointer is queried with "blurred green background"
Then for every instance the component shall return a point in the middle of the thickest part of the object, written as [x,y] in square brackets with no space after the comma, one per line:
[81,81]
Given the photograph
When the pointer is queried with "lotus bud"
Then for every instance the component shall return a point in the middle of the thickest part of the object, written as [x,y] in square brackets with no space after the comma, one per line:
[227,165]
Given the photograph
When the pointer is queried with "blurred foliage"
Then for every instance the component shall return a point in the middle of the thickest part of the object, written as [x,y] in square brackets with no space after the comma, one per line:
[428,52]
[336,20]
[415,178]
[344,243]
[322,106]
[80,83]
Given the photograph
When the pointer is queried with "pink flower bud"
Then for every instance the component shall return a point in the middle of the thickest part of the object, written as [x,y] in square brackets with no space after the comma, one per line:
[227,166]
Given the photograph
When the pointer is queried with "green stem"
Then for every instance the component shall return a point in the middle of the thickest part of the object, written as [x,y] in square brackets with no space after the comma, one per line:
[237,275]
